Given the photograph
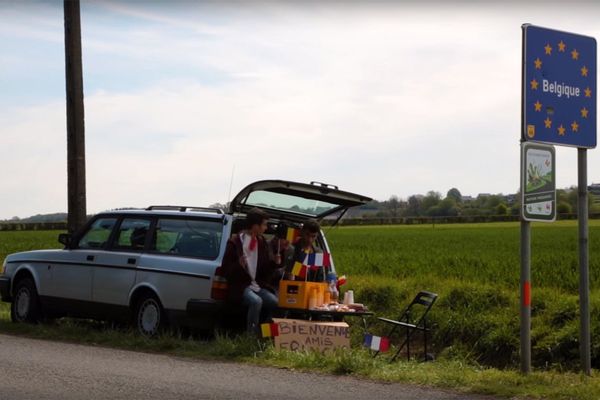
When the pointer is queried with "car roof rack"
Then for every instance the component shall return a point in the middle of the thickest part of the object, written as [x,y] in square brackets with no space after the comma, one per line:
[186,208]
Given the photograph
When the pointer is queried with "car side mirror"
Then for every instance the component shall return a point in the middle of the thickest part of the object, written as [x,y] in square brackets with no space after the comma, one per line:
[65,238]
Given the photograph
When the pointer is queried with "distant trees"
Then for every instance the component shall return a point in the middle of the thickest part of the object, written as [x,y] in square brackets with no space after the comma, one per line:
[454,194]
[454,203]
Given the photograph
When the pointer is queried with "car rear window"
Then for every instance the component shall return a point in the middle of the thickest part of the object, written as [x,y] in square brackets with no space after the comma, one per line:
[286,202]
[188,237]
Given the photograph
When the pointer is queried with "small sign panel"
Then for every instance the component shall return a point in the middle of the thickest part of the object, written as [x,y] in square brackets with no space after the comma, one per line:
[538,191]
[559,87]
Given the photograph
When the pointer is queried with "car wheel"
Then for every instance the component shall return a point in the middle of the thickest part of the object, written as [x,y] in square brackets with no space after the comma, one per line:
[149,316]
[25,306]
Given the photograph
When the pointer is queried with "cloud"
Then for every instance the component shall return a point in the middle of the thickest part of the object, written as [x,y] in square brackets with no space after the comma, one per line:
[379,100]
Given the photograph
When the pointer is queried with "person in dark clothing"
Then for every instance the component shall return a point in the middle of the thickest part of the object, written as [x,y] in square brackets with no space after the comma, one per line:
[283,253]
[249,266]
[306,245]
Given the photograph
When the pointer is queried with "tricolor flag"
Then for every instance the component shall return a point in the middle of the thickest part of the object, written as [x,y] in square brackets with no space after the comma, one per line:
[269,330]
[292,234]
[299,269]
[377,343]
[317,260]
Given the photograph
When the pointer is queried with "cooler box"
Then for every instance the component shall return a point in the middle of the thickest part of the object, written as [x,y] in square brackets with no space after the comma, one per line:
[295,294]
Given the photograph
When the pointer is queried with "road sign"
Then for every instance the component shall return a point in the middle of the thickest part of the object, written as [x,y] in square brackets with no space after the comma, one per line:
[538,191]
[559,87]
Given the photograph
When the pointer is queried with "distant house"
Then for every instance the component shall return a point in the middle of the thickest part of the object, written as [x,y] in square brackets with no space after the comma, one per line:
[594,189]
[510,199]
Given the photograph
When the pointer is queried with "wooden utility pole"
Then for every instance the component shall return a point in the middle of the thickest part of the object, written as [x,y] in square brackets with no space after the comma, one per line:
[75,120]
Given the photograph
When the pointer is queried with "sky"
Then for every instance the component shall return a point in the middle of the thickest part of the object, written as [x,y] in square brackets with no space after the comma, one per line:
[188,102]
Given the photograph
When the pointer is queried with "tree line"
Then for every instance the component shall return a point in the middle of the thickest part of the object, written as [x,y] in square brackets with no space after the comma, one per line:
[454,204]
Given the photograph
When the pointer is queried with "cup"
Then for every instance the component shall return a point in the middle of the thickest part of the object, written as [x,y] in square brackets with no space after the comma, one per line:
[349,296]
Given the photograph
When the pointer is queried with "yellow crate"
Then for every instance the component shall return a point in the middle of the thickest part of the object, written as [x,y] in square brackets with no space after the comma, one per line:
[295,294]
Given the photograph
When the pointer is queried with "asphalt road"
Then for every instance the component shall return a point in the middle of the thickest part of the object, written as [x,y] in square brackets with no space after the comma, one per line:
[37,369]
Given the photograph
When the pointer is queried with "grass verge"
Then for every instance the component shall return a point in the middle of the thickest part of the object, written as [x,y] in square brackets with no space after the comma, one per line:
[449,373]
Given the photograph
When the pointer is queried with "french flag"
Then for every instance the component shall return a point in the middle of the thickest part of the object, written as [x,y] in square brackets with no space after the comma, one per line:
[377,343]
[318,260]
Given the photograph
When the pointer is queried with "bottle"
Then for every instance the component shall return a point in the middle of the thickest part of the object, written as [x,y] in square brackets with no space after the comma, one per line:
[326,296]
[312,299]
[333,292]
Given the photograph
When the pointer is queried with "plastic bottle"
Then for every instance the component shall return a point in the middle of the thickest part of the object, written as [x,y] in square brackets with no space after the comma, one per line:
[326,296]
[333,292]
[312,299]
[332,288]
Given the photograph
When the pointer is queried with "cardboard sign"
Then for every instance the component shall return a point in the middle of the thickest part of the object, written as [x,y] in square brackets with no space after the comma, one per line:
[300,335]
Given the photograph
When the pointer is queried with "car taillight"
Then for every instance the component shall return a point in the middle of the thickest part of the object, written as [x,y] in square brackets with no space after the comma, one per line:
[219,286]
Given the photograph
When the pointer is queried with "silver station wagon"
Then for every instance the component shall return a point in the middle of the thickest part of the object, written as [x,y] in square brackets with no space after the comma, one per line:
[158,266]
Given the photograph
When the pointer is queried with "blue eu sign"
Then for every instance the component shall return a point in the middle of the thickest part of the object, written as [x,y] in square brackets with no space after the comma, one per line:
[559,87]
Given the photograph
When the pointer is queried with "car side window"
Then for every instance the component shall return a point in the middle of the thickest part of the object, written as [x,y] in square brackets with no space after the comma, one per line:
[188,237]
[132,234]
[98,234]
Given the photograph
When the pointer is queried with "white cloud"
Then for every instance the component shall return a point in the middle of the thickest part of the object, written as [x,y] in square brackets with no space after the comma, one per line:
[382,100]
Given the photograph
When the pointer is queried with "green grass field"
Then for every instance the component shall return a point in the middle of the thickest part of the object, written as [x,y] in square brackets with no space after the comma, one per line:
[475,270]
[482,253]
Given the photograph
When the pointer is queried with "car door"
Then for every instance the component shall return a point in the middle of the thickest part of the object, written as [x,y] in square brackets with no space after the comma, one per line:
[181,259]
[71,271]
[115,269]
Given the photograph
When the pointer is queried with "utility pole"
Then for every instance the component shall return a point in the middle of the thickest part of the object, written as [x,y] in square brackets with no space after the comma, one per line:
[75,121]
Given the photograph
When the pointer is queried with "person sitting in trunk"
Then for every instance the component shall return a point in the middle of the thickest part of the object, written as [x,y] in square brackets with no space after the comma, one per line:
[306,245]
[248,266]
[283,254]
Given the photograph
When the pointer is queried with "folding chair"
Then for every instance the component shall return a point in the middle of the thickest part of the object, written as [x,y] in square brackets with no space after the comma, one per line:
[413,319]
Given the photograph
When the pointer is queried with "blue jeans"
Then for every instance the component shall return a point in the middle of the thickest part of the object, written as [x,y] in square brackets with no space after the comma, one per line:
[263,300]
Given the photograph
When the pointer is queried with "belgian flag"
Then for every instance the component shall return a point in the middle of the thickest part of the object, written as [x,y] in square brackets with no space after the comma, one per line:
[269,330]
[299,270]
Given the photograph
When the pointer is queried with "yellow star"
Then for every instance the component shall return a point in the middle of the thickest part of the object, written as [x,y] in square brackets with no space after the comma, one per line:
[548,49]
[584,71]
[538,63]
[584,112]
[561,46]
[575,54]
[561,130]
[574,126]
[534,84]
[588,92]
[548,122]
[538,106]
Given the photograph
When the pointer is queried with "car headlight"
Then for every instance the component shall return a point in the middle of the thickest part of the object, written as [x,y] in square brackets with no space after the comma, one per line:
[3,267]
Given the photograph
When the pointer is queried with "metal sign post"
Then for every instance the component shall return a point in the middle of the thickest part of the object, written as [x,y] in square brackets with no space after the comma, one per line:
[584,273]
[538,199]
[558,106]
[525,285]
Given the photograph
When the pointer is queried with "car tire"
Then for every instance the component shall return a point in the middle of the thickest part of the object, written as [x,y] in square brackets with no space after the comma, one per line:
[25,306]
[149,316]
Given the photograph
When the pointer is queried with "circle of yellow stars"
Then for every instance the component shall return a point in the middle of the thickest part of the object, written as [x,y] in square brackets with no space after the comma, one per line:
[537,63]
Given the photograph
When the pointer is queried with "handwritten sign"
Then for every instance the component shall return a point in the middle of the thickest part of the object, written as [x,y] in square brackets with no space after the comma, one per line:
[300,335]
